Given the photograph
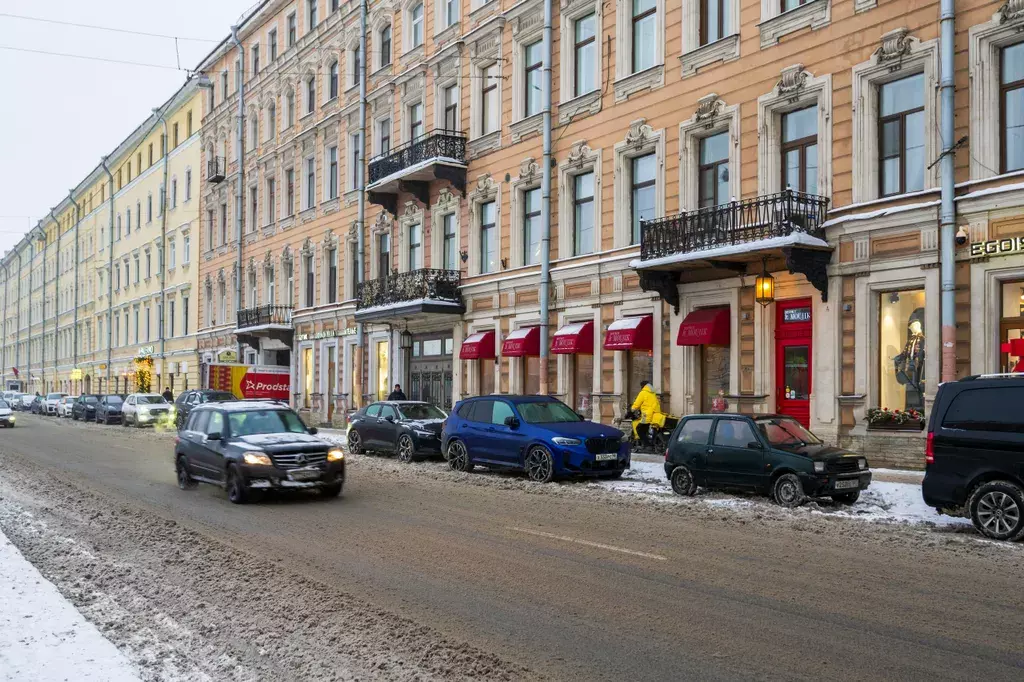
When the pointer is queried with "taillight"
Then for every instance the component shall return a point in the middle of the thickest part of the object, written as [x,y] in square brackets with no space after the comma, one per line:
[929,449]
[177,440]
[666,454]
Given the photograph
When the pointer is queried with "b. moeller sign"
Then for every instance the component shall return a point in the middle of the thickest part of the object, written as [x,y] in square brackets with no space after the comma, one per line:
[326,334]
[997,247]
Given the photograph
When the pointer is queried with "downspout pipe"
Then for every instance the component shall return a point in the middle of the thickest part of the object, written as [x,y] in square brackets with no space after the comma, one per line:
[110,272]
[545,200]
[947,215]
[42,340]
[17,342]
[74,331]
[31,292]
[240,182]
[162,115]
[361,186]
[7,277]
[56,304]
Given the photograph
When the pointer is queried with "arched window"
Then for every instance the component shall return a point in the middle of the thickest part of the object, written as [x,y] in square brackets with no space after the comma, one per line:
[333,80]
[385,46]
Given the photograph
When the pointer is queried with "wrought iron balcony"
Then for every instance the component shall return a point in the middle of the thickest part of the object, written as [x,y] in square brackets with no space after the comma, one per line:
[265,315]
[410,293]
[215,169]
[738,222]
[437,144]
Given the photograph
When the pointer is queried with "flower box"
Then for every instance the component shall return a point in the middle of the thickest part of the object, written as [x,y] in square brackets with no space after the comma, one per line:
[884,419]
[910,426]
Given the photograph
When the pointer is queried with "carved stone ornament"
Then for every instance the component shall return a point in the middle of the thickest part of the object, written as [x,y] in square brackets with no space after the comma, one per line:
[268,259]
[251,269]
[307,246]
[708,107]
[793,80]
[444,197]
[328,237]
[639,133]
[1011,11]
[382,224]
[220,276]
[410,210]
[286,254]
[579,153]
[895,44]
[528,169]
[353,230]
[485,183]
[208,281]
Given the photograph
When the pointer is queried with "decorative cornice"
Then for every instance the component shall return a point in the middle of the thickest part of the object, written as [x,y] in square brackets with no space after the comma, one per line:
[579,153]
[793,80]
[708,108]
[639,132]
[895,44]
[1011,11]
[528,169]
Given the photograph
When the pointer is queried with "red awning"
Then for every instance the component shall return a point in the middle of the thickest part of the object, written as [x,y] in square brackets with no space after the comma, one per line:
[522,342]
[705,327]
[630,333]
[574,338]
[478,346]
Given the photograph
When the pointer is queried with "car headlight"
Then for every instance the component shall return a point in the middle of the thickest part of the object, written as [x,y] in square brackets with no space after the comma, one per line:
[560,440]
[819,467]
[862,463]
[335,455]
[424,434]
[257,458]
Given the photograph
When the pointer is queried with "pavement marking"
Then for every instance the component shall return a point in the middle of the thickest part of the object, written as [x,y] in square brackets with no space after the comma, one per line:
[588,543]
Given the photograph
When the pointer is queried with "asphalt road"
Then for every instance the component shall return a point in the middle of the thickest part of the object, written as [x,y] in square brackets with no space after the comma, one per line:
[568,586]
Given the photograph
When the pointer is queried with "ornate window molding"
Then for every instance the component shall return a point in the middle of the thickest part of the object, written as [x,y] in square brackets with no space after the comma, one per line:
[900,55]
[484,51]
[412,215]
[527,20]
[486,189]
[640,139]
[445,204]
[711,117]
[528,178]
[796,89]
[581,159]
[383,225]
[776,23]
[694,54]
[628,82]
[986,43]
[571,106]
[447,72]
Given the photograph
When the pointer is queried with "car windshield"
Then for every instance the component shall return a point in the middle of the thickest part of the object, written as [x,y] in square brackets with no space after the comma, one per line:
[253,422]
[421,412]
[4,405]
[219,397]
[785,431]
[150,400]
[547,412]
[91,399]
[114,400]
[54,396]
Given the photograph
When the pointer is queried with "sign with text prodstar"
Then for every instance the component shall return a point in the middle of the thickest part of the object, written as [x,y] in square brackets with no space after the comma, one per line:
[245,381]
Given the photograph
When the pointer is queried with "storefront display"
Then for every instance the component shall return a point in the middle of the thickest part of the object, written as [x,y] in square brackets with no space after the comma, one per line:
[902,348]
[709,329]
[307,377]
[383,387]
[1011,326]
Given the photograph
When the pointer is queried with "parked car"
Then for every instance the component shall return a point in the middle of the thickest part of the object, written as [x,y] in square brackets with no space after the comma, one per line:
[146,409]
[108,409]
[51,402]
[767,454]
[974,453]
[410,429]
[191,399]
[6,415]
[537,434]
[65,404]
[10,396]
[16,401]
[255,446]
[84,407]
[38,405]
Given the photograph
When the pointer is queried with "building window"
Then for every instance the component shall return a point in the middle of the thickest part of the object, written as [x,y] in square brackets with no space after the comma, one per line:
[289,108]
[488,238]
[289,192]
[149,208]
[449,256]
[451,11]
[355,156]
[289,271]
[713,172]
[415,121]
[714,19]
[170,319]
[645,19]
[531,226]
[188,184]
[310,94]
[415,246]
[128,222]
[532,58]
[310,279]
[188,124]
[385,46]
[254,131]
[333,81]
[209,229]
[174,136]
[255,52]
[150,152]
[174,193]
[800,150]
[1011,102]
[384,135]
[901,328]
[416,35]
[184,315]
[186,249]
[332,275]
[223,224]
[254,208]
[310,183]
[332,173]
[583,214]
[311,9]
[490,112]
[292,23]
[271,200]
[272,44]
[901,133]
[451,108]
[383,255]
[172,255]
[643,176]
[268,279]
[585,55]
[271,121]
[149,265]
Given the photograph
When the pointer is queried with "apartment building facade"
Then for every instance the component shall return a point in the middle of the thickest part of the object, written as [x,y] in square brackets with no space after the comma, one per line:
[108,277]
[696,147]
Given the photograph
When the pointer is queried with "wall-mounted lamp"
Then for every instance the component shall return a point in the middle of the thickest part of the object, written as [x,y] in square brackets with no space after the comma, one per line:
[504,263]
[764,285]
[464,255]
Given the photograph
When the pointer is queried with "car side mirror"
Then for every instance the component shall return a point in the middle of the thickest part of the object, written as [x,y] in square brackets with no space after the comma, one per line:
[754,445]
[512,422]
[389,418]
[312,430]
[582,416]
[216,435]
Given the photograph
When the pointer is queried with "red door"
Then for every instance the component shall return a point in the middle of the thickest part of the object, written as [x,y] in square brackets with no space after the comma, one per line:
[793,353]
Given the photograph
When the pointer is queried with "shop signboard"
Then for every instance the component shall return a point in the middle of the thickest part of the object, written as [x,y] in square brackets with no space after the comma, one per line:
[251,381]
[997,247]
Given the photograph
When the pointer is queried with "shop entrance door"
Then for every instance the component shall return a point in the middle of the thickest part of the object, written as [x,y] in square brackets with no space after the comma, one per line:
[793,352]
[430,369]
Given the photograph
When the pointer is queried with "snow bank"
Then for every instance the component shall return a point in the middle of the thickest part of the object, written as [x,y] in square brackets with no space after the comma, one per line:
[43,637]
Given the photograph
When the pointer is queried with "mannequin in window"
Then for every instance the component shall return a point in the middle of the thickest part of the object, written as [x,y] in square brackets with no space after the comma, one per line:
[910,363]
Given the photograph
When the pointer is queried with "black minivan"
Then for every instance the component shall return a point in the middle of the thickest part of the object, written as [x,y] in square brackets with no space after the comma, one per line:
[974,457]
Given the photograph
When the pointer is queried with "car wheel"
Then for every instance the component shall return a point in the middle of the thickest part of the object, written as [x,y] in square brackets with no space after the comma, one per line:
[355,442]
[185,480]
[997,510]
[237,494]
[539,466]
[405,449]
[332,490]
[788,491]
[682,481]
[458,457]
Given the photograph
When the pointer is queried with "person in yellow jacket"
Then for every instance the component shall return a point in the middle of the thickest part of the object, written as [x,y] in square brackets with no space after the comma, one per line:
[649,405]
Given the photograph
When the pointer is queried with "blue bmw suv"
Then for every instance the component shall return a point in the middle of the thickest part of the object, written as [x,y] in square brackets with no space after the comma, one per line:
[537,434]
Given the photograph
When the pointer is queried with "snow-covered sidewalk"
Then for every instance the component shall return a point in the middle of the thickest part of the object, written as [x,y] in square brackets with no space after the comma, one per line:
[43,638]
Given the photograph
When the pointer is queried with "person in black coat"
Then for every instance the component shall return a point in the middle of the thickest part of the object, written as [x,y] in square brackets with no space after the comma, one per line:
[397,394]
[168,396]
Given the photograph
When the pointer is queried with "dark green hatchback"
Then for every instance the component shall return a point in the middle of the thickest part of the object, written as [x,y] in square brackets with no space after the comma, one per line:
[765,453]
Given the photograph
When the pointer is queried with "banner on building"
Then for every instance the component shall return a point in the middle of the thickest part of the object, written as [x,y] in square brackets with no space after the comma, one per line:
[251,381]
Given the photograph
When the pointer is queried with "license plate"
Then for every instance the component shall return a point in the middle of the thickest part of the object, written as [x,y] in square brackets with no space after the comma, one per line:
[851,483]
[605,457]
[304,474]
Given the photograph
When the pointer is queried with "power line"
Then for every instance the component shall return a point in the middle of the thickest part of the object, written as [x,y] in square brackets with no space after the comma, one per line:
[95,59]
[105,28]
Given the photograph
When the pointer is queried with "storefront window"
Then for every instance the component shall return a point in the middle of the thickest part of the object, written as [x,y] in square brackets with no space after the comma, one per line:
[641,369]
[715,374]
[486,376]
[332,377]
[902,349]
[383,390]
[531,370]
[307,377]
[1011,325]
[583,381]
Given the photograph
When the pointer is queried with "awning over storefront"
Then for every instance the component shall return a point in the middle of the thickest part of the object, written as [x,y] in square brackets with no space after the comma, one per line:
[630,333]
[478,346]
[574,338]
[705,327]
[522,342]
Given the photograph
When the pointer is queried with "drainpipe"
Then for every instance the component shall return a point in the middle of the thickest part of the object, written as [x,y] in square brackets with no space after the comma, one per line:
[162,115]
[545,200]
[74,332]
[17,342]
[31,291]
[56,303]
[42,340]
[947,217]
[110,271]
[357,363]
[240,187]
[7,277]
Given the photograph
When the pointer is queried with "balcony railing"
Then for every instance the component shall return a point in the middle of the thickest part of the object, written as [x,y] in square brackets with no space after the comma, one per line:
[215,169]
[738,222]
[449,144]
[403,287]
[264,315]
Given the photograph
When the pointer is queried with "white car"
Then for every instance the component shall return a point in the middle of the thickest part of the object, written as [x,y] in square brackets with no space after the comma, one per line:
[146,409]
[65,405]
[6,415]
[51,401]
[26,400]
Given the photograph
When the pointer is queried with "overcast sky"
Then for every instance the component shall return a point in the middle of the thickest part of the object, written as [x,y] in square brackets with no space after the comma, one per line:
[59,115]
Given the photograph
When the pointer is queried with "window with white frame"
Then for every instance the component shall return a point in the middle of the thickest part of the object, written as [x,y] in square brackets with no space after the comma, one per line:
[269,285]
[186,249]
[254,58]
[384,37]
[271,121]
[355,159]
[384,135]
[272,44]
[415,236]
[331,274]
[531,226]
[996,85]
[490,99]
[800,150]
[292,22]
[1011,111]
[289,280]
[310,275]
[311,13]
[783,17]
[415,120]
[488,237]
[532,62]
[415,15]
[639,181]
[174,193]
[289,192]
[310,86]
[448,11]
[640,40]
[584,55]
[270,195]
[289,108]
[901,132]
[583,213]
[172,253]
[309,199]
[254,208]
[709,155]
[450,243]
[644,23]
[355,56]
[450,113]
[332,172]
[643,174]
[332,80]
[254,130]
